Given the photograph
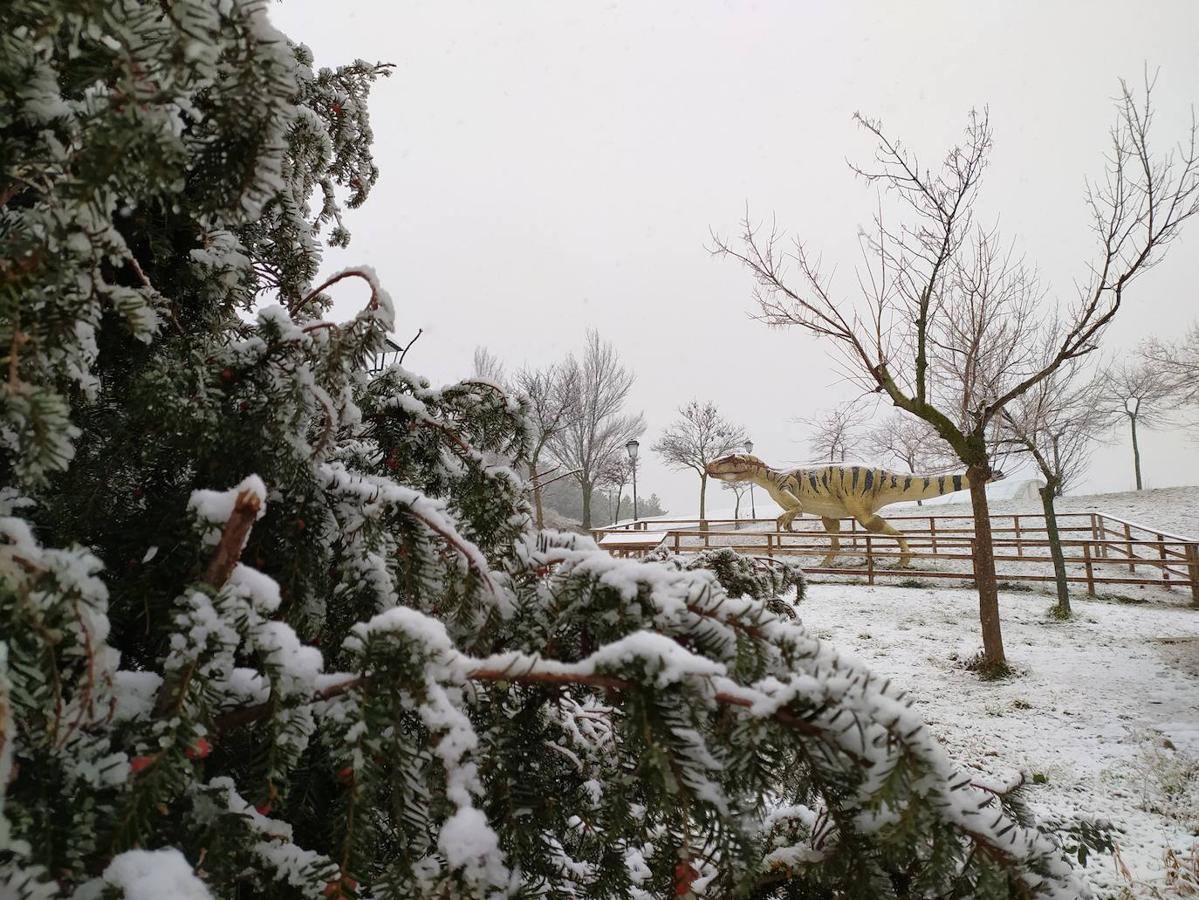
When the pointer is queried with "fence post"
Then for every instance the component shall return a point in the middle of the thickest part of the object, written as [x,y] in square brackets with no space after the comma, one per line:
[1161,549]
[1086,555]
[1132,567]
[770,545]
[1019,541]
[1193,568]
[869,561]
[676,542]
[853,533]
[932,527]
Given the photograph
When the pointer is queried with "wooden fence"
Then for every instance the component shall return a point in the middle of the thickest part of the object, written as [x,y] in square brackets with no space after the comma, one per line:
[1099,549]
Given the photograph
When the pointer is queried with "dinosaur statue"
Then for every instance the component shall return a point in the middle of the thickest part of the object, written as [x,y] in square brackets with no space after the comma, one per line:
[834,492]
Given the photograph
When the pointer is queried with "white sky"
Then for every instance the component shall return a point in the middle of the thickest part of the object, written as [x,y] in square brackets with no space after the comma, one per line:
[552,166]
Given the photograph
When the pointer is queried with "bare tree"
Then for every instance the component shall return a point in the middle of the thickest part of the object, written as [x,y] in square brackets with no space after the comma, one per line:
[1056,423]
[1136,393]
[614,475]
[948,323]
[908,442]
[487,367]
[834,432]
[739,490]
[598,428]
[552,395]
[1178,363]
[697,437]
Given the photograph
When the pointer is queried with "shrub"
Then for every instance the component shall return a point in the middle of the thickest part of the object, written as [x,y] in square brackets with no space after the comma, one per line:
[759,577]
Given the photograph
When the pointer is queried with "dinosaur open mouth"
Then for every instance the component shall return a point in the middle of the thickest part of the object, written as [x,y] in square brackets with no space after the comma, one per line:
[729,476]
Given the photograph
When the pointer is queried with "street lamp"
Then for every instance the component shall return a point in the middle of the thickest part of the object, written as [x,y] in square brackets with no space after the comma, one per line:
[753,513]
[632,447]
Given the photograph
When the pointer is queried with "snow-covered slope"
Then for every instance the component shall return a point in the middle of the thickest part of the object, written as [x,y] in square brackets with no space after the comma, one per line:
[1174,509]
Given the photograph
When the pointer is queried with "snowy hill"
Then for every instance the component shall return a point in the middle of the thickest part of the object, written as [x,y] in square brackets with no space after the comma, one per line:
[1174,509]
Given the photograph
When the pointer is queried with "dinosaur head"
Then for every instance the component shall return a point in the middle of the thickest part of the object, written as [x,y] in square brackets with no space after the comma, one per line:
[735,467]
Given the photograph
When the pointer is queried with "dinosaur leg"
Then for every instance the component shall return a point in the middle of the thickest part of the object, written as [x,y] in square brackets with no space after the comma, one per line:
[833,527]
[792,509]
[879,525]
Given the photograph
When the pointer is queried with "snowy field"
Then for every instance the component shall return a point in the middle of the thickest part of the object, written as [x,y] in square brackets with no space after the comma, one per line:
[1104,711]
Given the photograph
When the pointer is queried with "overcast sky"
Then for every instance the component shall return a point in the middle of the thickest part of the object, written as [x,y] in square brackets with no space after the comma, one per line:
[553,166]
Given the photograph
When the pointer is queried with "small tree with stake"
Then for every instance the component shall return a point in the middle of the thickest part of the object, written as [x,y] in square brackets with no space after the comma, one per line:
[738,489]
[1056,423]
[948,326]
[698,436]
[1138,394]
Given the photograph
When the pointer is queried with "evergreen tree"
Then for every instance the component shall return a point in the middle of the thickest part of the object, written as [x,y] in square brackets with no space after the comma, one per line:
[272,628]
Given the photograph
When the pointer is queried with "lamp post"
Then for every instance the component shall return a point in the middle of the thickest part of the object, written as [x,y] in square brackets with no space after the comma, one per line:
[753,513]
[632,447]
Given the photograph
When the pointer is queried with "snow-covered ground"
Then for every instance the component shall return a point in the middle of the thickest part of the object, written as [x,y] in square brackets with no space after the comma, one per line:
[1103,715]
[1104,711]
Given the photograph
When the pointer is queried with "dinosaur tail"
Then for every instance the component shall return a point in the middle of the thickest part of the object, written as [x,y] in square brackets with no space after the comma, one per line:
[924,487]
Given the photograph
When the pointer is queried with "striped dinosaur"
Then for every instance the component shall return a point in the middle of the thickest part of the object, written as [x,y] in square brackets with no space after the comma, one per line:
[835,492]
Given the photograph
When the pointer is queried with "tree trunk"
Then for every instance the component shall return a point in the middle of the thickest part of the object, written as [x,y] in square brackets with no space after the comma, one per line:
[619,497]
[1048,492]
[703,490]
[994,663]
[737,511]
[1136,452]
[585,486]
[536,493]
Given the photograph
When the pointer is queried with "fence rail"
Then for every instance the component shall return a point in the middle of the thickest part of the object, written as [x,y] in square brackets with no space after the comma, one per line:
[1098,548]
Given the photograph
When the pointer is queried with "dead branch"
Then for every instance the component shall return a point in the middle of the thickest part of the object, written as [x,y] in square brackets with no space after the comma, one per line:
[233,539]
[541,484]
[408,346]
[372,304]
